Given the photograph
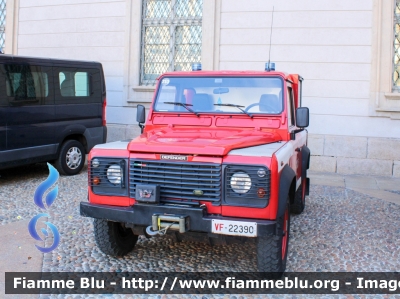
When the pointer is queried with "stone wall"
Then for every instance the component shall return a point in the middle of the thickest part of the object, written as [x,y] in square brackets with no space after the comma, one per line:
[355,155]
[117,132]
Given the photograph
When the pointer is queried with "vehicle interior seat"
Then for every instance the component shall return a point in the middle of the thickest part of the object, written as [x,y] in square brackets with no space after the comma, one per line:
[68,87]
[188,94]
[270,103]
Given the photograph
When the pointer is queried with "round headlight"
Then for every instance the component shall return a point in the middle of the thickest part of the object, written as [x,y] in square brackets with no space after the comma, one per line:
[261,172]
[240,182]
[95,163]
[114,174]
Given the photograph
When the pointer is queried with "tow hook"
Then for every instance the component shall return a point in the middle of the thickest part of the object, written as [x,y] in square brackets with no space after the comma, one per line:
[162,223]
[161,232]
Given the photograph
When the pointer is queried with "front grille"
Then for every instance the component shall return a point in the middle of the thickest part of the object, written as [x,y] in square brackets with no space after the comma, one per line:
[177,180]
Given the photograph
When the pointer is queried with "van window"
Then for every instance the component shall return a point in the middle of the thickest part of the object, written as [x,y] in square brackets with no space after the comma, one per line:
[26,82]
[74,84]
[78,85]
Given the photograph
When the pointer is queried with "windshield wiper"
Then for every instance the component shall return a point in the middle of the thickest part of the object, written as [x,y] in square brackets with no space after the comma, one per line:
[237,106]
[183,105]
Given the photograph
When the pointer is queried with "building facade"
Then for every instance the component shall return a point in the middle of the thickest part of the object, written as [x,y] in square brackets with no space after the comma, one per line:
[347,52]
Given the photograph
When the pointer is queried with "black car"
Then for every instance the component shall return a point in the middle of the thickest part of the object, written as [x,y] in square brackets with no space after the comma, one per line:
[50,110]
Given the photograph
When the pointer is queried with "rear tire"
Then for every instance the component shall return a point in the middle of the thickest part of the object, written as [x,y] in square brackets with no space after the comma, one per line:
[71,158]
[299,202]
[112,238]
[272,250]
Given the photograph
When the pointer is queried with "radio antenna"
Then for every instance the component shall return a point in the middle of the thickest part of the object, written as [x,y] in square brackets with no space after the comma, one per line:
[270,37]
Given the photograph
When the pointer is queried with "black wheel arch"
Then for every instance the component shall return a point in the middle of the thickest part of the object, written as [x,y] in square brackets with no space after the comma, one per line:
[305,161]
[73,132]
[77,137]
[287,187]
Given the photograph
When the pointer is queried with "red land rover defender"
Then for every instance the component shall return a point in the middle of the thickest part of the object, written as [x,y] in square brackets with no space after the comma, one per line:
[222,154]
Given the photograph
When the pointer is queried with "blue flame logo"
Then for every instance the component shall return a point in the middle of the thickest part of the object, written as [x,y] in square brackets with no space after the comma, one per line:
[50,198]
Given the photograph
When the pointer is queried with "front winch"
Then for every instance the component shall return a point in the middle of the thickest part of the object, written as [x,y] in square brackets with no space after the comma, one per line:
[161,223]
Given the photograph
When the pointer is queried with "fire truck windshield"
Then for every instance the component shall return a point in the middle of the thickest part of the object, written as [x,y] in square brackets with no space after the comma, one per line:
[261,95]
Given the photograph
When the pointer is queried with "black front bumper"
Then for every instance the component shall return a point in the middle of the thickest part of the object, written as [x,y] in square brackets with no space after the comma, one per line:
[141,215]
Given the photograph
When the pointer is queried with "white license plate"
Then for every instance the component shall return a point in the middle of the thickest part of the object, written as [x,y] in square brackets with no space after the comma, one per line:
[234,228]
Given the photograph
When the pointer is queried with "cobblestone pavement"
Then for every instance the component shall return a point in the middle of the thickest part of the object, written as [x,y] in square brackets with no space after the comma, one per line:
[340,230]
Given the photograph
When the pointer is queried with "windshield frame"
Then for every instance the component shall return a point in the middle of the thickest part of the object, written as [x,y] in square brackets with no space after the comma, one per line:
[238,112]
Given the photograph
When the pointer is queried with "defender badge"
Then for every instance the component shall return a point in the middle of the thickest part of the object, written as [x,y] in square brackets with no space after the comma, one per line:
[174,157]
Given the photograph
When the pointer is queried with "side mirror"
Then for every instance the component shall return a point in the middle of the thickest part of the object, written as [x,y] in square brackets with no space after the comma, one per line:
[141,116]
[302,117]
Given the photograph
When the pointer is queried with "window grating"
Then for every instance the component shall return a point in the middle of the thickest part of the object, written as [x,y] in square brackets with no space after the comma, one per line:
[171,37]
[396,60]
[2,24]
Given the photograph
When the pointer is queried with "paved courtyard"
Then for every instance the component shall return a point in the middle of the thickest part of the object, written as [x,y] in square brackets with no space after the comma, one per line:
[350,223]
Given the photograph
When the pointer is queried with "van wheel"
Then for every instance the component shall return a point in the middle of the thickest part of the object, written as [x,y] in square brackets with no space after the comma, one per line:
[272,250]
[71,158]
[299,198]
[112,238]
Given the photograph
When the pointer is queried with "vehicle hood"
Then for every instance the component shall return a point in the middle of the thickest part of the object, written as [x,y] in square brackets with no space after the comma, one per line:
[213,142]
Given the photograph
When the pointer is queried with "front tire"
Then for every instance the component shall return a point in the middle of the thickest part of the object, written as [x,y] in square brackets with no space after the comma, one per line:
[71,158]
[272,250]
[112,238]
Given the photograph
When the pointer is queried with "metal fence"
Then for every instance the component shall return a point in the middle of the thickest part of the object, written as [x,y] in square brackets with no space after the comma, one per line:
[396,60]
[171,37]
[2,24]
